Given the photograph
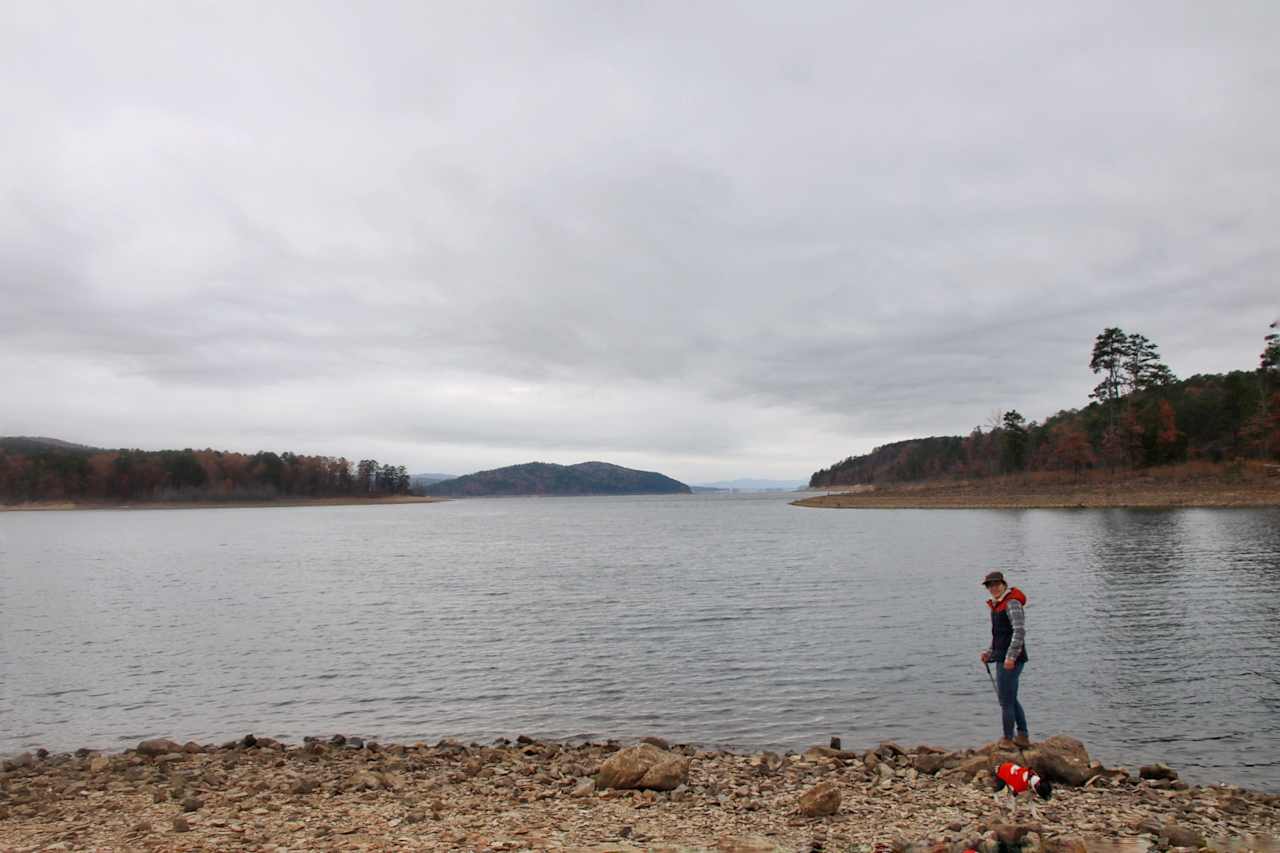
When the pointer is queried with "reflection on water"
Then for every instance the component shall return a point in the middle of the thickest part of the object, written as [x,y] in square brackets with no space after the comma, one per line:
[723,620]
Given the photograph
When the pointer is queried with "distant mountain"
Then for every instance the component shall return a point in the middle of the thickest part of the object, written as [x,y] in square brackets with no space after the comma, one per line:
[544,478]
[751,485]
[421,481]
[31,444]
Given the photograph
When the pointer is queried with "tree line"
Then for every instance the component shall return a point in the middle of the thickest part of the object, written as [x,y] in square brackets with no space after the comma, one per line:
[1141,415]
[34,472]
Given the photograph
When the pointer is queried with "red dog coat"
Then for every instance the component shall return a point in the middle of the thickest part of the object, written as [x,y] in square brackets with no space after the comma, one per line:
[1019,779]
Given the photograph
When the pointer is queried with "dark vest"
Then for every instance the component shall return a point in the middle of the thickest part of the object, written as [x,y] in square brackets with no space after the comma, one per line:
[1002,634]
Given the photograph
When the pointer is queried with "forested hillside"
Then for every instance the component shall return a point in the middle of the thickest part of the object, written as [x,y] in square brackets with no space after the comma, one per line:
[40,469]
[1141,416]
[545,478]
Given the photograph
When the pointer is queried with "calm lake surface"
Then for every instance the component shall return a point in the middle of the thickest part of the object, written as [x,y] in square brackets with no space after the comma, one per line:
[733,621]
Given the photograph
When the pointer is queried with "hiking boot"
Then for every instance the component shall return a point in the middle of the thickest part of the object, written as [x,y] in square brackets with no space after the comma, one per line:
[1005,743]
[1021,741]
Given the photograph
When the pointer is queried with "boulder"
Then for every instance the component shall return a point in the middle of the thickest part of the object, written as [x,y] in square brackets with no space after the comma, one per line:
[930,762]
[643,766]
[158,746]
[821,800]
[660,743]
[1174,835]
[99,763]
[1157,771]
[1062,760]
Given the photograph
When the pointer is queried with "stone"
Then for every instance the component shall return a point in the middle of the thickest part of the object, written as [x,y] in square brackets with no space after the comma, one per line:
[1014,833]
[835,743]
[1062,760]
[248,742]
[191,747]
[660,743]
[364,780]
[643,766]
[158,746]
[355,743]
[1175,835]
[180,825]
[192,804]
[99,763]
[1157,771]
[929,762]
[820,800]
[583,789]
[888,750]
[304,786]
[1064,844]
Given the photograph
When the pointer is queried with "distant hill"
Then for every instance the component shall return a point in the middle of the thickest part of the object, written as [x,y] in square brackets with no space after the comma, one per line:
[32,444]
[747,484]
[544,478]
[421,481]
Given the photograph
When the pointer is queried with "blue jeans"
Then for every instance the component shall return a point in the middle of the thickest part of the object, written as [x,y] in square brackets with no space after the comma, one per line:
[1007,689]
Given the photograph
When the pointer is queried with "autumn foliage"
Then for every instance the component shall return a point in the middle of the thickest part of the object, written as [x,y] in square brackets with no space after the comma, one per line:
[30,471]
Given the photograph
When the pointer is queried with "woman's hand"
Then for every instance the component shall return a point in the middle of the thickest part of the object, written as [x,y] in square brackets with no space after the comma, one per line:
[1009,665]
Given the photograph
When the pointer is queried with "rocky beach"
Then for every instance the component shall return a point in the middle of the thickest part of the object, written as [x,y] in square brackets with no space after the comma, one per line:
[344,793]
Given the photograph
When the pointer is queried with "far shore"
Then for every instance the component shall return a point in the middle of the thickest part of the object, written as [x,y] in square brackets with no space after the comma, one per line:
[47,506]
[1185,486]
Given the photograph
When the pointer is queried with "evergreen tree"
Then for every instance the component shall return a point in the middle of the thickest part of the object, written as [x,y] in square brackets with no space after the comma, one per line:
[1110,349]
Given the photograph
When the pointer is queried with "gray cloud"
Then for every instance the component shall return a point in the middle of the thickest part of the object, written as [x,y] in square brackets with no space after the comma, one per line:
[716,240]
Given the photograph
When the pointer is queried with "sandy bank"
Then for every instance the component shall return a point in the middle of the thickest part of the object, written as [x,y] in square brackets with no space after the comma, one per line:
[44,506]
[1160,490]
[258,794]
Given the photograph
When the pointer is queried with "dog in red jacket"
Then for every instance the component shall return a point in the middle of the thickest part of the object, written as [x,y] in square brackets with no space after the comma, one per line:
[1021,782]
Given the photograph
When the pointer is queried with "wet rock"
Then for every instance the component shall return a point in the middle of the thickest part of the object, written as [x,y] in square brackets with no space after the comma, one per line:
[26,759]
[1157,771]
[355,743]
[835,743]
[340,740]
[660,743]
[158,746]
[248,742]
[821,800]
[643,766]
[191,747]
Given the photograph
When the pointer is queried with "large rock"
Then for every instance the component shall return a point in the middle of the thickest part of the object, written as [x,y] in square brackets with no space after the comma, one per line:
[158,746]
[643,766]
[1062,760]
[820,800]
[930,762]
[1157,771]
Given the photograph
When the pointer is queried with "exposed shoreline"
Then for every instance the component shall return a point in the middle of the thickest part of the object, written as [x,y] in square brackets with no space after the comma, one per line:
[341,793]
[1149,492]
[63,506]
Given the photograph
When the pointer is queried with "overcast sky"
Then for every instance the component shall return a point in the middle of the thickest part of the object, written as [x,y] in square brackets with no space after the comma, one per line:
[709,239]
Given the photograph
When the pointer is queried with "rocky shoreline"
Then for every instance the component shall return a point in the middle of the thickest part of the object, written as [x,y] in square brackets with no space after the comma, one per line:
[344,793]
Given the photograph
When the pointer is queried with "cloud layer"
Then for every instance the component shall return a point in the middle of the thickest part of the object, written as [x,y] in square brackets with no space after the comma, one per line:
[721,240]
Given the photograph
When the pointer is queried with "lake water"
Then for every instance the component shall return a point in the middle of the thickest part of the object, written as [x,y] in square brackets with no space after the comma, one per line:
[733,621]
